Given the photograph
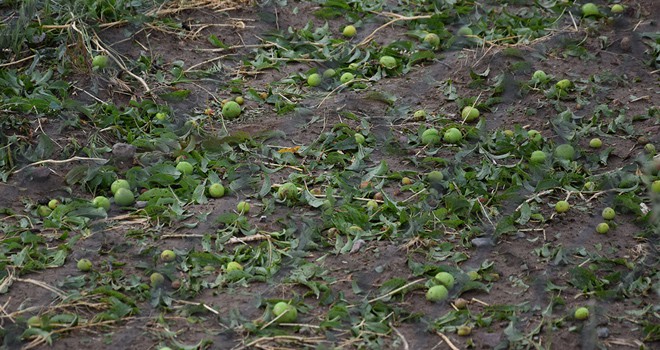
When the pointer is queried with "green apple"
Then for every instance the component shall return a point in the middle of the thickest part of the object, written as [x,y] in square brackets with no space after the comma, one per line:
[288,190]
[359,138]
[563,84]
[453,135]
[430,136]
[167,255]
[595,143]
[124,197]
[243,207]
[445,278]
[100,61]
[234,266]
[537,157]
[184,167]
[437,293]
[314,79]
[120,183]
[582,313]
[84,265]
[655,186]
[432,39]
[540,76]
[157,279]
[53,203]
[346,77]
[616,8]
[388,62]
[590,9]
[608,213]
[469,113]
[231,110]
[329,73]
[216,190]
[435,176]
[349,31]
[101,202]
[285,312]
[44,211]
[602,228]
[562,207]
[565,151]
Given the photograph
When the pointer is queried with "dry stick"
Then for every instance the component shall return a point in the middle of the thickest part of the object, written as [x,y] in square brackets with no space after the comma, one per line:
[403,339]
[121,65]
[202,304]
[536,196]
[446,339]
[43,285]
[397,19]
[337,88]
[396,290]
[283,337]
[53,161]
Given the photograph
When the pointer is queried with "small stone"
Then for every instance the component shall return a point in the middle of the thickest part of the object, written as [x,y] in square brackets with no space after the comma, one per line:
[123,152]
[482,242]
[603,332]
[625,43]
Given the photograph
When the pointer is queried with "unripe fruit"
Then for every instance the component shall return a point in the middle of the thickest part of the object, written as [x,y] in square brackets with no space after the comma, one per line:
[388,62]
[156,279]
[101,202]
[430,136]
[349,31]
[234,266]
[453,135]
[120,183]
[464,331]
[432,39]
[537,157]
[329,73]
[540,75]
[100,61]
[167,255]
[589,9]
[565,151]
[437,293]
[285,312]
[53,203]
[314,79]
[231,110]
[419,115]
[240,100]
[562,207]
[359,138]
[216,190]
[595,143]
[124,197]
[243,207]
[617,8]
[288,190]
[534,136]
[602,228]
[655,186]
[184,167]
[84,265]
[608,213]
[372,205]
[470,113]
[563,84]
[346,77]
[44,211]
[445,278]
[435,176]
[582,313]
[464,31]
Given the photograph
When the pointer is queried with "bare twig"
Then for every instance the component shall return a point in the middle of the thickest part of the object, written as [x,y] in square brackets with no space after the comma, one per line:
[54,161]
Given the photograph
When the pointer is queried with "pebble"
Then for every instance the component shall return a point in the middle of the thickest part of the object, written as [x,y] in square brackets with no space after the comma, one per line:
[482,242]
[603,332]
[625,43]
[123,152]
